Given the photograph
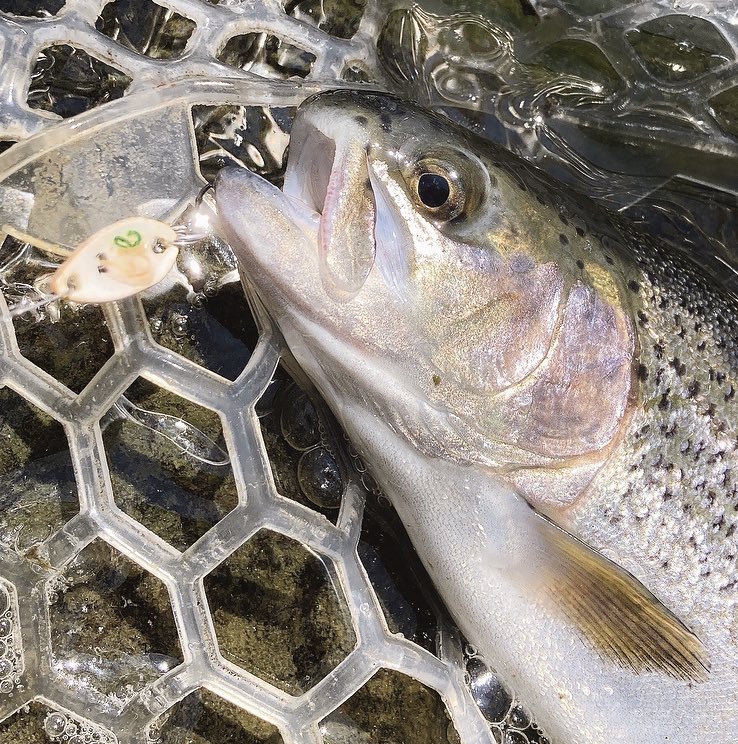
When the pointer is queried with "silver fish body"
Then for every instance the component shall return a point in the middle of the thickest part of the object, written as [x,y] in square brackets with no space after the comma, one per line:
[547,395]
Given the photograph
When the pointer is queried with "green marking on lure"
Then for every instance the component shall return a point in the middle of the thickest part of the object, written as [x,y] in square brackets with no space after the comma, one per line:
[131,239]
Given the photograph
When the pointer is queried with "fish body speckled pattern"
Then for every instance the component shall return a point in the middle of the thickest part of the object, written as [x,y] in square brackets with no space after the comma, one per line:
[547,395]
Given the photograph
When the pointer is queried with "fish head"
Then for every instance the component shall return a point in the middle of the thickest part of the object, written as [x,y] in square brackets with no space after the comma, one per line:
[416,277]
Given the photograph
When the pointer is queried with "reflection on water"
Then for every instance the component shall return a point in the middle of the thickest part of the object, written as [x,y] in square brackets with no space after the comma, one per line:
[633,109]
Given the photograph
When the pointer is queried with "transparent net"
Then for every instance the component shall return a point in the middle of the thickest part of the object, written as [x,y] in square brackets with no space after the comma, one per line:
[189,550]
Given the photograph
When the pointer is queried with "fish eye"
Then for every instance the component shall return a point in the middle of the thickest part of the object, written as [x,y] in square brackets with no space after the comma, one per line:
[437,188]
[433,190]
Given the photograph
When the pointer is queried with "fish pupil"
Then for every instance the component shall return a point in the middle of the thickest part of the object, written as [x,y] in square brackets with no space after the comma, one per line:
[433,190]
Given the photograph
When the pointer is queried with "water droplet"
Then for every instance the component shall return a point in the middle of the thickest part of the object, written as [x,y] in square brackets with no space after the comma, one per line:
[54,724]
[6,686]
[320,478]
[456,86]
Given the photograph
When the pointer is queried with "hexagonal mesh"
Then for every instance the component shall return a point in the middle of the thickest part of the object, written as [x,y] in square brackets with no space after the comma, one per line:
[204,486]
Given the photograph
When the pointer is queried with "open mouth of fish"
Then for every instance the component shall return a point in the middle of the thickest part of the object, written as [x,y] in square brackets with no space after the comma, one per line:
[330,174]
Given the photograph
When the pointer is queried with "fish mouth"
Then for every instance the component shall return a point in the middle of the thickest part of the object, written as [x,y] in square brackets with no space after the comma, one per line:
[311,160]
[328,172]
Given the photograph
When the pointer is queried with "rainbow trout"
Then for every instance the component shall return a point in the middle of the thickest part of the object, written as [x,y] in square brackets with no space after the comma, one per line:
[547,395]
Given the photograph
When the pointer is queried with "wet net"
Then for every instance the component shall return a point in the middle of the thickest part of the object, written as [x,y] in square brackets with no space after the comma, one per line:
[189,549]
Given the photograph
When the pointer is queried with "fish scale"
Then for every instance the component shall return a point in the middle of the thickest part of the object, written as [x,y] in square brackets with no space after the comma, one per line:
[678,468]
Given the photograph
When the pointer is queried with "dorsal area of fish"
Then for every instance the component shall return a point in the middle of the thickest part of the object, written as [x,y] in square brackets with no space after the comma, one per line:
[492,342]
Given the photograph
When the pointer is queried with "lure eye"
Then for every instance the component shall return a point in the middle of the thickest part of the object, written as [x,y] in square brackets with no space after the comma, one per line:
[433,190]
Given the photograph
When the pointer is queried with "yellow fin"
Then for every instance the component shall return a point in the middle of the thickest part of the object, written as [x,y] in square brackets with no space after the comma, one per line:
[615,614]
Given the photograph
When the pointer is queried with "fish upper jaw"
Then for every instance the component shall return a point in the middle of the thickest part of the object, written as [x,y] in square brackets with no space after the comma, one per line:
[328,171]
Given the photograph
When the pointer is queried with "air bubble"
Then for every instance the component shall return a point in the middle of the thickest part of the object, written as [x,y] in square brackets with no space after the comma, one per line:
[490,695]
[6,627]
[6,686]
[516,737]
[320,478]
[519,717]
[3,648]
[55,724]
[6,668]
[299,422]
[179,325]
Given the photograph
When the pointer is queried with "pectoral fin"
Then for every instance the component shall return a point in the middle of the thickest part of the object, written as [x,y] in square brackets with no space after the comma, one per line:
[614,613]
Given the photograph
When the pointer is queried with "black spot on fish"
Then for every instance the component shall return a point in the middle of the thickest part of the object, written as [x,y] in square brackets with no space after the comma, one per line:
[361,120]
[693,389]
[527,8]
[679,368]
[580,231]
[643,318]
[633,286]
[385,122]
[580,264]
[664,402]
[642,372]
[609,260]
[563,218]
[730,394]
[563,239]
